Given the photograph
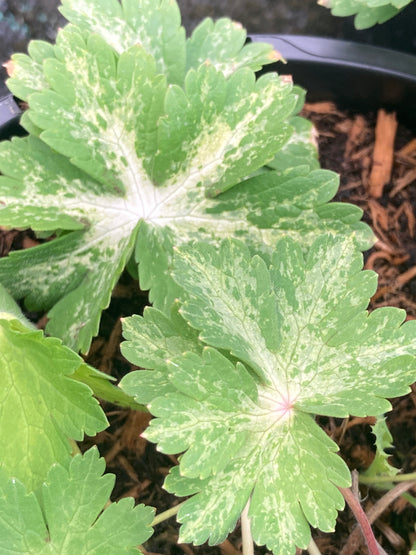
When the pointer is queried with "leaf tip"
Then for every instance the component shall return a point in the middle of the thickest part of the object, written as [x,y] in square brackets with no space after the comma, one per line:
[276,56]
[10,67]
[237,25]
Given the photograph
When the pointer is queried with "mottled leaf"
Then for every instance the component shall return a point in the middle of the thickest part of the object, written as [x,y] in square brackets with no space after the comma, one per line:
[307,346]
[124,150]
[151,341]
[154,24]
[367,12]
[223,44]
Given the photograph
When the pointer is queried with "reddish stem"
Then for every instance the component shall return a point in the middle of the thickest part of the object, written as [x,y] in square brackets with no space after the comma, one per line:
[362,520]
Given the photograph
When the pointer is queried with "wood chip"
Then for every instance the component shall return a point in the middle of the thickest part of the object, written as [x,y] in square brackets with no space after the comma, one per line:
[409,149]
[321,107]
[403,182]
[383,154]
[355,136]
[406,276]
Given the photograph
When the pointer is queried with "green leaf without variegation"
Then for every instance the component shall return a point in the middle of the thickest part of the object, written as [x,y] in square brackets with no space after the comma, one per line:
[41,406]
[68,516]
[283,342]
[380,465]
[367,12]
[10,310]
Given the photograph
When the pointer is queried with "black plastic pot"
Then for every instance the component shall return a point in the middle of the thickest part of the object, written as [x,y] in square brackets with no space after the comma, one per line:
[352,75]
[9,117]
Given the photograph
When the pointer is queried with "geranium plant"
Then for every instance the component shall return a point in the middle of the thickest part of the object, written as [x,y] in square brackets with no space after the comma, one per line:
[367,12]
[172,156]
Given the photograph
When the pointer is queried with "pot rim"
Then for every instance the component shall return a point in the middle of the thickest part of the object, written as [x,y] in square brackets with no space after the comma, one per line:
[328,51]
[354,76]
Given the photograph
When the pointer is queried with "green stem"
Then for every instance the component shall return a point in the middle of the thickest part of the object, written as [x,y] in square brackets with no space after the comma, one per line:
[105,390]
[166,514]
[368,480]
[246,536]
[362,520]
[313,548]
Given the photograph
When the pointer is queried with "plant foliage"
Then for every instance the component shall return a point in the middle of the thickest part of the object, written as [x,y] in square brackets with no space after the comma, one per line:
[172,156]
[135,148]
[65,517]
[281,344]
[367,12]
[42,405]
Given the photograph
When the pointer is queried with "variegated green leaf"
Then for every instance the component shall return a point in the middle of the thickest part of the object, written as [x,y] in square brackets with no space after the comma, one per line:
[287,471]
[246,430]
[301,148]
[237,447]
[308,310]
[131,151]
[123,161]
[27,73]
[154,24]
[69,516]
[151,341]
[367,12]
[222,44]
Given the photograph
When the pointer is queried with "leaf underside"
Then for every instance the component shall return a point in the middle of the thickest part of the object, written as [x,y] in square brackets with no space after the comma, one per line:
[282,343]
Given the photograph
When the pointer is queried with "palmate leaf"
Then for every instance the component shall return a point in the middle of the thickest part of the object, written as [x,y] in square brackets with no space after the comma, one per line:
[42,404]
[132,150]
[66,518]
[151,341]
[155,24]
[306,346]
[367,12]
[122,162]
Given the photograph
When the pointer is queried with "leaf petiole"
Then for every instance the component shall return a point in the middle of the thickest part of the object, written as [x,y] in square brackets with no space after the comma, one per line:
[313,548]
[246,536]
[166,514]
[370,480]
[362,520]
